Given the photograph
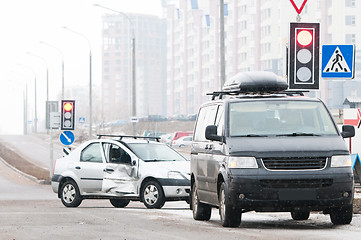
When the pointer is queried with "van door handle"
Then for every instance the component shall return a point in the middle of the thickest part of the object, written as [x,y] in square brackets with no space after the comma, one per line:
[208,146]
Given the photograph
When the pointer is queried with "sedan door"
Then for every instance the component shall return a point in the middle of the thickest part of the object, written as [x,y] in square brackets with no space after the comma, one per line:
[121,170]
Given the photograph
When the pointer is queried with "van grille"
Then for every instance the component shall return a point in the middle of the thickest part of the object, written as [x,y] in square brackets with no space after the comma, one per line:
[287,163]
[299,183]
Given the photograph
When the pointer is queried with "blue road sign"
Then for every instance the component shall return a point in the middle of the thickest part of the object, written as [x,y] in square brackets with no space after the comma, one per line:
[338,61]
[67,137]
[82,120]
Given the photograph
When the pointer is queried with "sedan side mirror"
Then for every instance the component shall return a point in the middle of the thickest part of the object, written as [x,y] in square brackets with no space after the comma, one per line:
[211,133]
[348,131]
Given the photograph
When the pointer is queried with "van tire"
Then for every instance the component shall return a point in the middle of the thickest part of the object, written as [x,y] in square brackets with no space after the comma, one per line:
[342,215]
[119,203]
[300,215]
[230,216]
[152,194]
[200,210]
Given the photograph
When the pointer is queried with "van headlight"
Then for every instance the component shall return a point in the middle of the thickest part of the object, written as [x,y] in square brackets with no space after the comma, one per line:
[242,162]
[175,175]
[341,161]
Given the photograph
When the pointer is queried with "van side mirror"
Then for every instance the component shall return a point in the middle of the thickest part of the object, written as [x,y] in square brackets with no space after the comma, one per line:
[211,133]
[348,131]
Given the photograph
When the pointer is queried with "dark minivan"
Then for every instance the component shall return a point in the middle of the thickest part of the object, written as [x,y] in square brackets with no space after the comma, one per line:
[260,147]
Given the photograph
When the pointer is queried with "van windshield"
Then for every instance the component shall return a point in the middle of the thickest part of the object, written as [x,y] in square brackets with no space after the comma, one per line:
[280,118]
[150,152]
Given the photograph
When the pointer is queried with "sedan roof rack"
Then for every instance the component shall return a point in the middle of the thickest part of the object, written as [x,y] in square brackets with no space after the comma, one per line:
[127,136]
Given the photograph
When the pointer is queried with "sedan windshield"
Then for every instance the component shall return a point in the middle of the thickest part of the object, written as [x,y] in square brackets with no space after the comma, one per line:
[280,118]
[155,152]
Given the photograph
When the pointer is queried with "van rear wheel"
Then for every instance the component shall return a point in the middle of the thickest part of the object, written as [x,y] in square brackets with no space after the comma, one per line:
[200,210]
[300,215]
[119,203]
[230,216]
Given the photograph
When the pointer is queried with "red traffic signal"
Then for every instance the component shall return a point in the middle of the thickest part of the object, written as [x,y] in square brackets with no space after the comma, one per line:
[303,68]
[67,114]
[304,37]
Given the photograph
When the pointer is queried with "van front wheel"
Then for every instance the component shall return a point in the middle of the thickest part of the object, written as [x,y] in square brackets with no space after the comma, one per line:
[341,216]
[200,210]
[230,216]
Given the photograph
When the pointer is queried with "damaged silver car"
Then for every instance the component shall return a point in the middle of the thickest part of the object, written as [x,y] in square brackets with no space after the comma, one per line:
[125,169]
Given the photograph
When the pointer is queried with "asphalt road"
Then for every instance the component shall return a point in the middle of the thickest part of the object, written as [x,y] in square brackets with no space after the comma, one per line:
[29,210]
[32,211]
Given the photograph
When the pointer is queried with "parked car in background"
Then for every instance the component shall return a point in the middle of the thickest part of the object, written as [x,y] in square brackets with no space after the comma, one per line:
[166,138]
[183,141]
[121,170]
[177,135]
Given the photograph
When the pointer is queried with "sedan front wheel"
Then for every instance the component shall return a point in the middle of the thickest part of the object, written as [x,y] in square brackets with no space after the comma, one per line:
[152,195]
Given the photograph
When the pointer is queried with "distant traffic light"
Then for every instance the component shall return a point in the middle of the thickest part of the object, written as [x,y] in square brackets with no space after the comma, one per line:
[67,114]
[304,45]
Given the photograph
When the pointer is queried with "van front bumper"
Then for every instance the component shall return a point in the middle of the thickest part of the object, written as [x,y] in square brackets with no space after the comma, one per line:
[292,192]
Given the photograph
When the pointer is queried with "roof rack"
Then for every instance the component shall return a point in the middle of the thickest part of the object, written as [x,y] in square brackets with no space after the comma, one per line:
[127,136]
[220,94]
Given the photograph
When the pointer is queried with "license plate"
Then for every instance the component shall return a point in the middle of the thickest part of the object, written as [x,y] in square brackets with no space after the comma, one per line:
[297,195]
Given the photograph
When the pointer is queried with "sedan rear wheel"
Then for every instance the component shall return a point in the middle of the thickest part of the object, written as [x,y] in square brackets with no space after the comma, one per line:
[70,195]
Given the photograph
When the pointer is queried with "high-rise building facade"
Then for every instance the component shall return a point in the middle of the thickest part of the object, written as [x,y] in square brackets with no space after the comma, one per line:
[150,61]
[256,39]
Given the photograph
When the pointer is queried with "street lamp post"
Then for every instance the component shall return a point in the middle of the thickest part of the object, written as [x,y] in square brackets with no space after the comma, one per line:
[47,73]
[62,66]
[35,96]
[90,80]
[134,99]
[25,96]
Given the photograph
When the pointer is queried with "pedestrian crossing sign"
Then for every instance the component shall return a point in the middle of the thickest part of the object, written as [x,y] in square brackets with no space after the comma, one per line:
[338,61]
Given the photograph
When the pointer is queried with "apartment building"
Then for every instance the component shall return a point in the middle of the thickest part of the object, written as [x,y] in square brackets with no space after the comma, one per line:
[256,38]
[150,51]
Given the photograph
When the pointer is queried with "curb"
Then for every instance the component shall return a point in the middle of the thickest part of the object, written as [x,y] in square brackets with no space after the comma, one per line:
[32,178]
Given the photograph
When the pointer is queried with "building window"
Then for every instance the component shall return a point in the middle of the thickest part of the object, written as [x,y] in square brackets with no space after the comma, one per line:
[350,38]
[329,20]
[266,31]
[351,20]
[243,25]
[350,3]
[243,56]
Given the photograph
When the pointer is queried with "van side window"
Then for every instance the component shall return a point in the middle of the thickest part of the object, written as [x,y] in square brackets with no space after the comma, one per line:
[220,121]
[207,116]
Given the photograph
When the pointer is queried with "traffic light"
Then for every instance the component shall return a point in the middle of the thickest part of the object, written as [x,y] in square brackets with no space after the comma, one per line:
[67,114]
[304,54]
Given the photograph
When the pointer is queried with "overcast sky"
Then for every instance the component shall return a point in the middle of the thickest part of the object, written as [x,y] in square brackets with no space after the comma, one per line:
[24,23]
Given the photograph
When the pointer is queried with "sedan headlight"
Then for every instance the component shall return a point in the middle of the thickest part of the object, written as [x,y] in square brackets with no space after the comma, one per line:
[341,161]
[242,162]
[175,175]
